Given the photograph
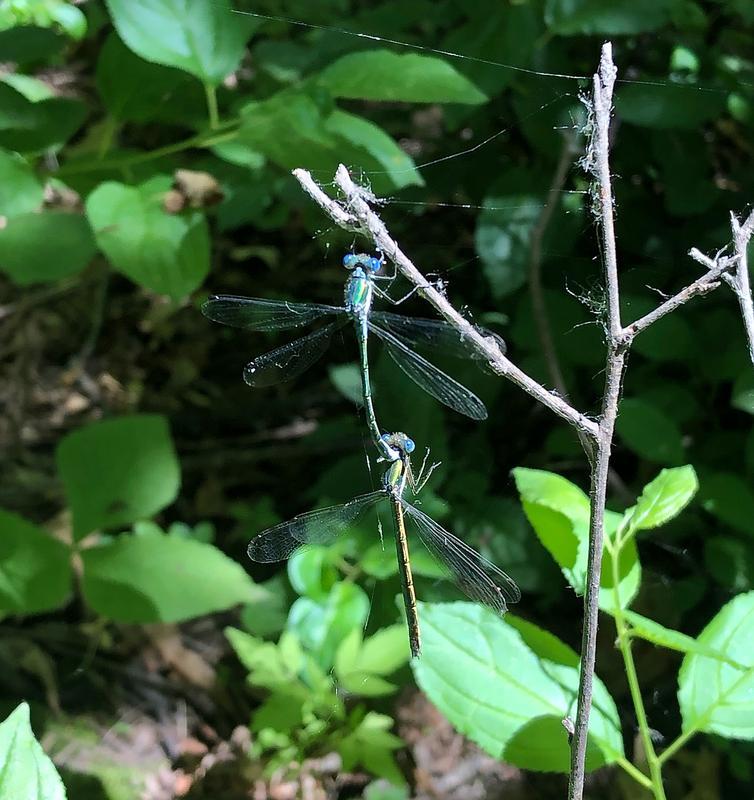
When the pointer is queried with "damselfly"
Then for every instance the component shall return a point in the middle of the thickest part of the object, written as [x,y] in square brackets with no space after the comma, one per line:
[477,577]
[400,334]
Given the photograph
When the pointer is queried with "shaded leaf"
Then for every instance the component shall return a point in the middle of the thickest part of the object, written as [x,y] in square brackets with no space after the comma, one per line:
[649,432]
[20,191]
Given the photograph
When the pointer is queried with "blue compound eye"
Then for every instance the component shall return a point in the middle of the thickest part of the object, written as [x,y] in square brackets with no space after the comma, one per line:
[385,437]
[374,264]
[350,260]
[408,445]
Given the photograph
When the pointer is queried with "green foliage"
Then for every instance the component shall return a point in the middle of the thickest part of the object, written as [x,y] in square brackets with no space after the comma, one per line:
[26,773]
[411,78]
[507,684]
[35,574]
[118,471]
[715,695]
[20,191]
[159,578]
[199,36]
[165,252]
[40,248]
[662,499]
[45,14]
[649,432]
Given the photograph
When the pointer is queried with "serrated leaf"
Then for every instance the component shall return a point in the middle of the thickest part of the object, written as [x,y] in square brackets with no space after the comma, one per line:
[663,498]
[35,571]
[117,471]
[167,253]
[406,77]
[507,685]
[202,37]
[45,247]
[143,579]
[26,772]
[714,696]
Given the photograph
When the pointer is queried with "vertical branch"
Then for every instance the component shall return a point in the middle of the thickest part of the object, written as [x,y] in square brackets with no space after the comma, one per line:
[604,81]
[739,282]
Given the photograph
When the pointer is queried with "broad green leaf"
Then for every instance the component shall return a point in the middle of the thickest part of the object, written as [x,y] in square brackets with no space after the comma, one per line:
[44,247]
[266,615]
[716,697]
[668,105]
[371,745]
[130,87]
[118,471]
[45,14]
[167,253]
[729,498]
[24,44]
[26,772]
[406,77]
[203,37]
[322,626]
[619,17]
[266,662]
[663,498]
[559,513]
[652,631]
[382,790]
[20,191]
[384,651]
[293,129]
[35,571]
[158,578]
[649,432]
[507,684]
[28,126]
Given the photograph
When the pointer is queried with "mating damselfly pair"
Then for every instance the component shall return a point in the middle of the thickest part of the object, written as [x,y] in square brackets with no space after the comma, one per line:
[478,578]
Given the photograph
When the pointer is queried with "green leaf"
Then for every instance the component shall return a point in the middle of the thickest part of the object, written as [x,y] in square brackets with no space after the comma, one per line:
[266,616]
[385,651]
[29,125]
[322,626]
[507,684]
[117,471]
[310,572]
[202,37]
[716,697]
[652,631]
[382,790]
[26,772]
[24,44]
[45,247]
[130,87]
[20,191]
[729,498]
[156,578]
[649,432]
[619,17]
[664,498]
[370,744]
[35,571]
[407,77]
[293,129]
[166,253]
[264,661]
[559,513]
[668,105]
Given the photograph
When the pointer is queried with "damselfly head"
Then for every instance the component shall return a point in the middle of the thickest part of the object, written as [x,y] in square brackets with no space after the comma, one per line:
[400,441]
[369,263]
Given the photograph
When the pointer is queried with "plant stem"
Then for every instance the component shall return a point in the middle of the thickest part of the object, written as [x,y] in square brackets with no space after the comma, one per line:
[200,140]
[635,773]
[212,112]
[624,644]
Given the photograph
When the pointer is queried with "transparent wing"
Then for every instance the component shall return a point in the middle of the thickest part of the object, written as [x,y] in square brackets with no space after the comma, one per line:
[435,334]
[320,526]
[432,379]
[289,360]
[254,314]
[478,578]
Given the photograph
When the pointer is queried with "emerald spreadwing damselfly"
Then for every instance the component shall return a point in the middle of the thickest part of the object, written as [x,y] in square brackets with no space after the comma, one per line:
[400,334]
[474,575]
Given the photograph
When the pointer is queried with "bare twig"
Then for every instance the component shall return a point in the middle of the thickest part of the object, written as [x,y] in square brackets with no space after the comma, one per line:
[372,226]
[604,81]
[742,233]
